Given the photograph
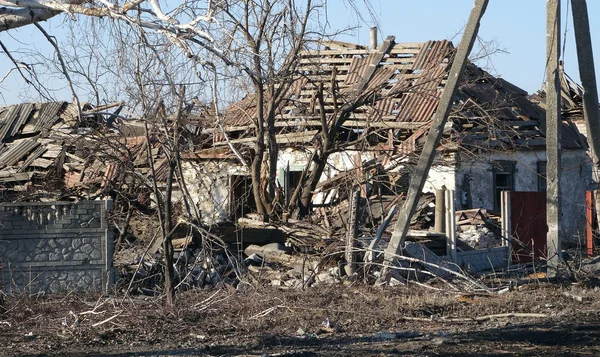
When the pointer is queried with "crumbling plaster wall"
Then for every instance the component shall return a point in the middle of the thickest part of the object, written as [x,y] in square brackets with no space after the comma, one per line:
[470,176]
[474,180]
[337,162]
[442,174]
[55,246]
[208,183]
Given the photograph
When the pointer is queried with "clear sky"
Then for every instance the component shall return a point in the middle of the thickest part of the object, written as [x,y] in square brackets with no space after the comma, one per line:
[516,26]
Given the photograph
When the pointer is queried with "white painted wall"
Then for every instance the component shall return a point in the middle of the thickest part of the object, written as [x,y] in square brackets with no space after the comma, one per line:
[210,188]
[336,163]
[576,176]
[208,184]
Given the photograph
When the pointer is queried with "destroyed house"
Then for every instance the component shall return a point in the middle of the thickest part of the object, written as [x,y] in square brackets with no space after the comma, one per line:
[53,151]
[494,140]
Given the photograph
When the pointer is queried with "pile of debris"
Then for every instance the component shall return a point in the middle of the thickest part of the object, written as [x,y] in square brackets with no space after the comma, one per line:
[311,255]
[478,229]
[142,273]
[275,264]
[47,149]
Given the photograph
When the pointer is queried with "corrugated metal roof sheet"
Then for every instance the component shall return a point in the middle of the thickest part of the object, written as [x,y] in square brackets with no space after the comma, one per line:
[42,145]
[408,82]
[17,151]
[8,119]
[406,72]
[25,112]
[48,115]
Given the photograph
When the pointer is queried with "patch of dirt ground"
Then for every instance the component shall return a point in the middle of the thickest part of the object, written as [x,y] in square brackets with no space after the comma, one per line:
[532,320]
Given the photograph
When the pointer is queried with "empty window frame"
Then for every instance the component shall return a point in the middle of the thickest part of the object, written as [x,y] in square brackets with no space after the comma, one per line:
[504,180]
[541,174]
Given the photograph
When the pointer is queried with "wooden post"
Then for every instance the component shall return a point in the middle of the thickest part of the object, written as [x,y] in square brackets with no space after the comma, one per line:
[352,232]
[450,225]
[440,211]
[589,218]
[506,226]
[587,73]
[435,132]
[360,174]
[553,144]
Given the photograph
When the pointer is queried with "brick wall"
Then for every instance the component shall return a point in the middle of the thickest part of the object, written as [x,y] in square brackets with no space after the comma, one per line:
[55,246]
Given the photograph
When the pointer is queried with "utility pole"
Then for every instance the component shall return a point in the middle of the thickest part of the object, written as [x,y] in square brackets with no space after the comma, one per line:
[587,73]
[435,133]
[553,144]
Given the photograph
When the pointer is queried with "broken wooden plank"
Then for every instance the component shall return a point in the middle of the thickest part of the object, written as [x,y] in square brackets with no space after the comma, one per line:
[298,121]
[432,262]
[15,176]
[41,162]
[281,257]
[281,138]
[352,233]
[32,157]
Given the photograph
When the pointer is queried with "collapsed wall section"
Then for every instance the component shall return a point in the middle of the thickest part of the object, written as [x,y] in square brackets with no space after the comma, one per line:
[55,246]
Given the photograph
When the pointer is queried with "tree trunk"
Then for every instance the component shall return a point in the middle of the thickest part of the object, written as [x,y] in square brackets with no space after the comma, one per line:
[273,154]
[259,151]
[311,184]
[167,246]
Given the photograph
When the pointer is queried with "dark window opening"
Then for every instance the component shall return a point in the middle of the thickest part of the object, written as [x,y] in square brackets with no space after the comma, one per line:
[241,198]
[292,179]
[541,172]
[504,180]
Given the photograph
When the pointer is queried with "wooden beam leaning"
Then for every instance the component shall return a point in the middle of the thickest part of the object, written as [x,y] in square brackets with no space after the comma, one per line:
[587,73]
[435,132]
[374,63]
[553,147]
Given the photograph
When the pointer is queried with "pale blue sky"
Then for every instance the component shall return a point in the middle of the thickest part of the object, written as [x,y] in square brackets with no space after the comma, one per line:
[519,27]
[516,26]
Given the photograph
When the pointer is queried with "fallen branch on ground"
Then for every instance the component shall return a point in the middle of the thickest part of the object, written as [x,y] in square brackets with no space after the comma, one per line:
[107,320]
[474,319]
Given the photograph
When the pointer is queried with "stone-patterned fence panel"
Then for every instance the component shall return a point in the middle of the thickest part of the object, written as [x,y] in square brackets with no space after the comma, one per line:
[55,246]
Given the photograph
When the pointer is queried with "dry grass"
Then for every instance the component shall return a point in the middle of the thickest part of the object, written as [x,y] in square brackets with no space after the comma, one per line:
[245,316]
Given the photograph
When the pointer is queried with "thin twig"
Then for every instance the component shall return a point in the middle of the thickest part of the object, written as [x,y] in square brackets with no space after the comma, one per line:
[107,320]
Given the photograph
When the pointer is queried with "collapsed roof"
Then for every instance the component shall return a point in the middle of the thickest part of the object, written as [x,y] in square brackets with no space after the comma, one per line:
[407,80]
[45,148]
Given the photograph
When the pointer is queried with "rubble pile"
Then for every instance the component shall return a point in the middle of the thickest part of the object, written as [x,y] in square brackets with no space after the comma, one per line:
[479,237]
[272,264]
[300,254]
[142,273]
[476,228]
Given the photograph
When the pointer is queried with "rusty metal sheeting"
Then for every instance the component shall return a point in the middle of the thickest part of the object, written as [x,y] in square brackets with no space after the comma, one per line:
[407,85]
[412,74]
[358,67]
[241,113]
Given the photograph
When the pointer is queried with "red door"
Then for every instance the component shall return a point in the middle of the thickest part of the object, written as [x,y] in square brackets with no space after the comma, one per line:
[528,226]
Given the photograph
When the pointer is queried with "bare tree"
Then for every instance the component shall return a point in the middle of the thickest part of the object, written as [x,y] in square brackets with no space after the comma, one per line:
[263,40]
